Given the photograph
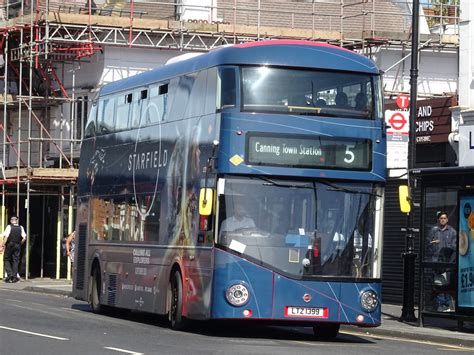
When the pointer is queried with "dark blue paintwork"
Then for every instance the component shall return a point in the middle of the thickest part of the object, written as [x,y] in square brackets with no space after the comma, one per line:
[235,125]
[271,293]
[298,54]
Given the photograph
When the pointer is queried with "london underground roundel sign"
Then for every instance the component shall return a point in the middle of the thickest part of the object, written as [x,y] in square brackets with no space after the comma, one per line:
[397,121]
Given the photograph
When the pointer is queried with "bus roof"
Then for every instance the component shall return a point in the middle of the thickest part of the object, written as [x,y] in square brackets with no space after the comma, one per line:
[285,53]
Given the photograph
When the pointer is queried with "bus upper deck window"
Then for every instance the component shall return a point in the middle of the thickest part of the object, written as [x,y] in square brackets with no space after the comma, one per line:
[228,87]
[90,128]
[163,89]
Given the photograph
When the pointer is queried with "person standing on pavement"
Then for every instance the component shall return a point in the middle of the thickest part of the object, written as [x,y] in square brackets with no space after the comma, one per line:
[443,239]
[71,246]
[14,236]
[442,247]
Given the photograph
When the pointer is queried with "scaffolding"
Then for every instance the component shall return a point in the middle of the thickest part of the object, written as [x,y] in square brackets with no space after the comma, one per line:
[41,129]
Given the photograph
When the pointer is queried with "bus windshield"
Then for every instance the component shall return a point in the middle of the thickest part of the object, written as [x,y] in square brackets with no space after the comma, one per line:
[301,228]
[317,92]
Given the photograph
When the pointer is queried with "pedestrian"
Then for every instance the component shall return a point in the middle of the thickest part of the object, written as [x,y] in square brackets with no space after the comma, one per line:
[14,236]
[442,247]
[71,246]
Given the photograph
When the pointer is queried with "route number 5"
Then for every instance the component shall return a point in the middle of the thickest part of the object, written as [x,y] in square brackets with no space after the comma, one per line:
[349,158]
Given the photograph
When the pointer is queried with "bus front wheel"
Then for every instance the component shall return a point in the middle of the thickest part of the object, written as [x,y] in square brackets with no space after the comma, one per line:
[326,331]
[95,291]
[175,294]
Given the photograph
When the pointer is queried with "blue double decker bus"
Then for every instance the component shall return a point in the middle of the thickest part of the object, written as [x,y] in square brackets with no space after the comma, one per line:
[246,183]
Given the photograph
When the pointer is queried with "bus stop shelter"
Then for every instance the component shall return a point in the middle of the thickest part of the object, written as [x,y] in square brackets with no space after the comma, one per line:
[447,275]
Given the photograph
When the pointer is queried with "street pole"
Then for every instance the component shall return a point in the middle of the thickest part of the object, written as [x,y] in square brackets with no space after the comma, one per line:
[409,256]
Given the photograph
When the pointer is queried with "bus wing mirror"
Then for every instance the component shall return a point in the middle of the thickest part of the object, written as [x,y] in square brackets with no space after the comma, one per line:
[206,196]
[404,197]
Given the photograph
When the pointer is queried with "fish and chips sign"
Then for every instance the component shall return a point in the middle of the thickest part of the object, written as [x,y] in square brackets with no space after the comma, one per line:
[433,120]
[432,125]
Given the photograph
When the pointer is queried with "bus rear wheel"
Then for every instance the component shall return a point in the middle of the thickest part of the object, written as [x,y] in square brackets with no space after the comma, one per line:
[326,331]
[175,294]
[95,288]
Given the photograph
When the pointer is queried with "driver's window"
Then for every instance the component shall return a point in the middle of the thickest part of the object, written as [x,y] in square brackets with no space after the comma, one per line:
[237,214]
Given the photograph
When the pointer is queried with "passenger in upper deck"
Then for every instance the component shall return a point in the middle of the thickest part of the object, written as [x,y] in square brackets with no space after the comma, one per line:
[342,100]
[320,103]
[361,102]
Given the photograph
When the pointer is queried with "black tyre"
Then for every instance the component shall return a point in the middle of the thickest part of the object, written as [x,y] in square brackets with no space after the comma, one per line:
[95,291]
[326,331]
[175,292]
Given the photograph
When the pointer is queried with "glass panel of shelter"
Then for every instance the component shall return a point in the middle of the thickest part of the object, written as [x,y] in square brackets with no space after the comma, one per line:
[439,249]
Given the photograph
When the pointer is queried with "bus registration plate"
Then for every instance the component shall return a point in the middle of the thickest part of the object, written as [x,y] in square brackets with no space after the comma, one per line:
[306,312]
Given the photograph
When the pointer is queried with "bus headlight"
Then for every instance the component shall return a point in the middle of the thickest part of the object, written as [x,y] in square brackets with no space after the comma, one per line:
[237,295]
[369,300]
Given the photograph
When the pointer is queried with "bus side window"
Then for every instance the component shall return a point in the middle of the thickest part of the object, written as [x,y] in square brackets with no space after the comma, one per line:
[156,108]
[163,107]
[123,108]
[89,131]
[210,97]
[138,112]
[135,110]
[197,98]
[106,115]
[143,99]
[183,86]
[228,87]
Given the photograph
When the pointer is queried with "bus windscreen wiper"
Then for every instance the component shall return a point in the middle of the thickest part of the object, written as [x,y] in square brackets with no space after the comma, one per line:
[270,182]
[346,190]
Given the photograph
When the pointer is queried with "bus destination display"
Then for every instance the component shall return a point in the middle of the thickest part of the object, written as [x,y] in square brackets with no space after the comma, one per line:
[313,152]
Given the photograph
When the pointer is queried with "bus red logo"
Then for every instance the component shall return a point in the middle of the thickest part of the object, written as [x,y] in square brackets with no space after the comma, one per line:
[306,297]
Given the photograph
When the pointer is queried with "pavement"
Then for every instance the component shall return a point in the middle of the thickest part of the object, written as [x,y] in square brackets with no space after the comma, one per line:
[437,330]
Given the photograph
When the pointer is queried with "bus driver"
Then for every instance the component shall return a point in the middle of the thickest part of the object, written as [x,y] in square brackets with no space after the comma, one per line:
[238,221]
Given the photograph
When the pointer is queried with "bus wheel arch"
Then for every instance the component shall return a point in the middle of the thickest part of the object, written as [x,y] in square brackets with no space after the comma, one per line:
[175,299]
[95,287]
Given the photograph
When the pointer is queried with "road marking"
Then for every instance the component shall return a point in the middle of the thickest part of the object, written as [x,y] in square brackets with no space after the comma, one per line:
[11,300]
[303,342]
[453,347]
[461,349]
[52,313]
[320,343]
[33,333]
[122,350]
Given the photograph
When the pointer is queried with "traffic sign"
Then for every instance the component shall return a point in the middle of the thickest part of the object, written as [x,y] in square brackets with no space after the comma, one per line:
[397,138]
[402,101]
[397,121]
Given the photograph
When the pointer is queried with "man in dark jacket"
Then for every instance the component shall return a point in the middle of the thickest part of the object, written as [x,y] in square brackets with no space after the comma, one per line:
[14,236]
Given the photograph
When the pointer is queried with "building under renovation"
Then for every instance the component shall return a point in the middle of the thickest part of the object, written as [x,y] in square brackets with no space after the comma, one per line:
[56,55]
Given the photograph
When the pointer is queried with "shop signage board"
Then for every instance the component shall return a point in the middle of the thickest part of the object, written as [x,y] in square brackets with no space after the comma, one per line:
[466,145]
[433,120]
[465,296]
